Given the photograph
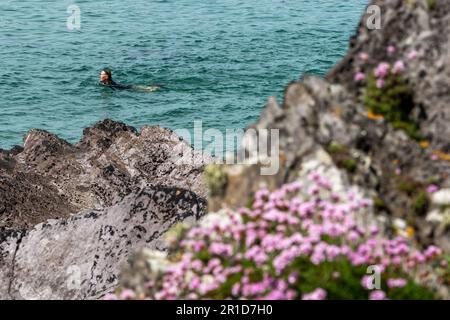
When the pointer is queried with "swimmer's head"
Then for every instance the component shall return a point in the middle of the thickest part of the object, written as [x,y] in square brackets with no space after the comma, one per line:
[105,76]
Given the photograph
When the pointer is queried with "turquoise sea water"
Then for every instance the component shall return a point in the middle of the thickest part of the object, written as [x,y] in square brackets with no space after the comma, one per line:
[219,60]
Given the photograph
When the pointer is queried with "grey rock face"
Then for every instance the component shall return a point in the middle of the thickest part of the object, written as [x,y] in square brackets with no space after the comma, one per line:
[71,214]
[422,26]
[80,257]
[330,115]
[318,115]
[50,178]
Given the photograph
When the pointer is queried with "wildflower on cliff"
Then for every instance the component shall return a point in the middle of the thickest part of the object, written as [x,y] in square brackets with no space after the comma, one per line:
[424,144]
[398,67]
[380,83]
[432,188]
[381,70]
[364,56]
[127,294]
[110,296]
[412,55]
[410,231]
[432,251]
[266,252]
[377,295]
[367,282]
[442,155]
[292,278]
[314,190]
[374,116]
[374,230]
[318,294]
[359,76]
[396,283]
[390,50]
[353,236]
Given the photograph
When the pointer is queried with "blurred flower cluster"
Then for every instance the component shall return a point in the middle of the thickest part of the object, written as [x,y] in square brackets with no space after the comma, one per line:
[384,69]
[298,242]
[387,92]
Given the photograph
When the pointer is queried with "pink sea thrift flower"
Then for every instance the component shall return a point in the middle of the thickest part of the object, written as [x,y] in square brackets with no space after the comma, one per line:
[281,229]
[434,157]
[374,230]
[412,55]
[432,251]
[127,294]
[359,76]
[367,282]
[235,289]
[110,296]
[364,56]
[398,67]
[314,190]
[377,295]
[292,278]
[352,236]
[318,294]
[380,83]
[432,188]
[396,283]
[390,50]
[381,70]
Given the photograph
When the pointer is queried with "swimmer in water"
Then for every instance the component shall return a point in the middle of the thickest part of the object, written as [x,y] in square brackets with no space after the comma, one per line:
[106,80]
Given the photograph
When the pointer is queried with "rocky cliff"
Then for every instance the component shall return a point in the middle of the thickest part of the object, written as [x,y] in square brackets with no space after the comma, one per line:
[71,214]
[378,122]
[49,178]
[377,125]
[404,171]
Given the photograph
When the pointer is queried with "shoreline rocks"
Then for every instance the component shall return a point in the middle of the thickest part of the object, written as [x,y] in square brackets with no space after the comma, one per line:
[330,114]
[70,215]
[81,257]
[51,179]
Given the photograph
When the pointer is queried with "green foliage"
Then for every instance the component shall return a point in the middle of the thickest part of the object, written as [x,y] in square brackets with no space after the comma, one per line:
[342,281]
[216,179]
[412,291]
[349,164]
[407,187]
[335,148]
[420,203]
[419,197]
[339,278]
[411,129]
[394,101]
[249,202]
[341,156]
[224,290]
[431,4]
[379,204]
